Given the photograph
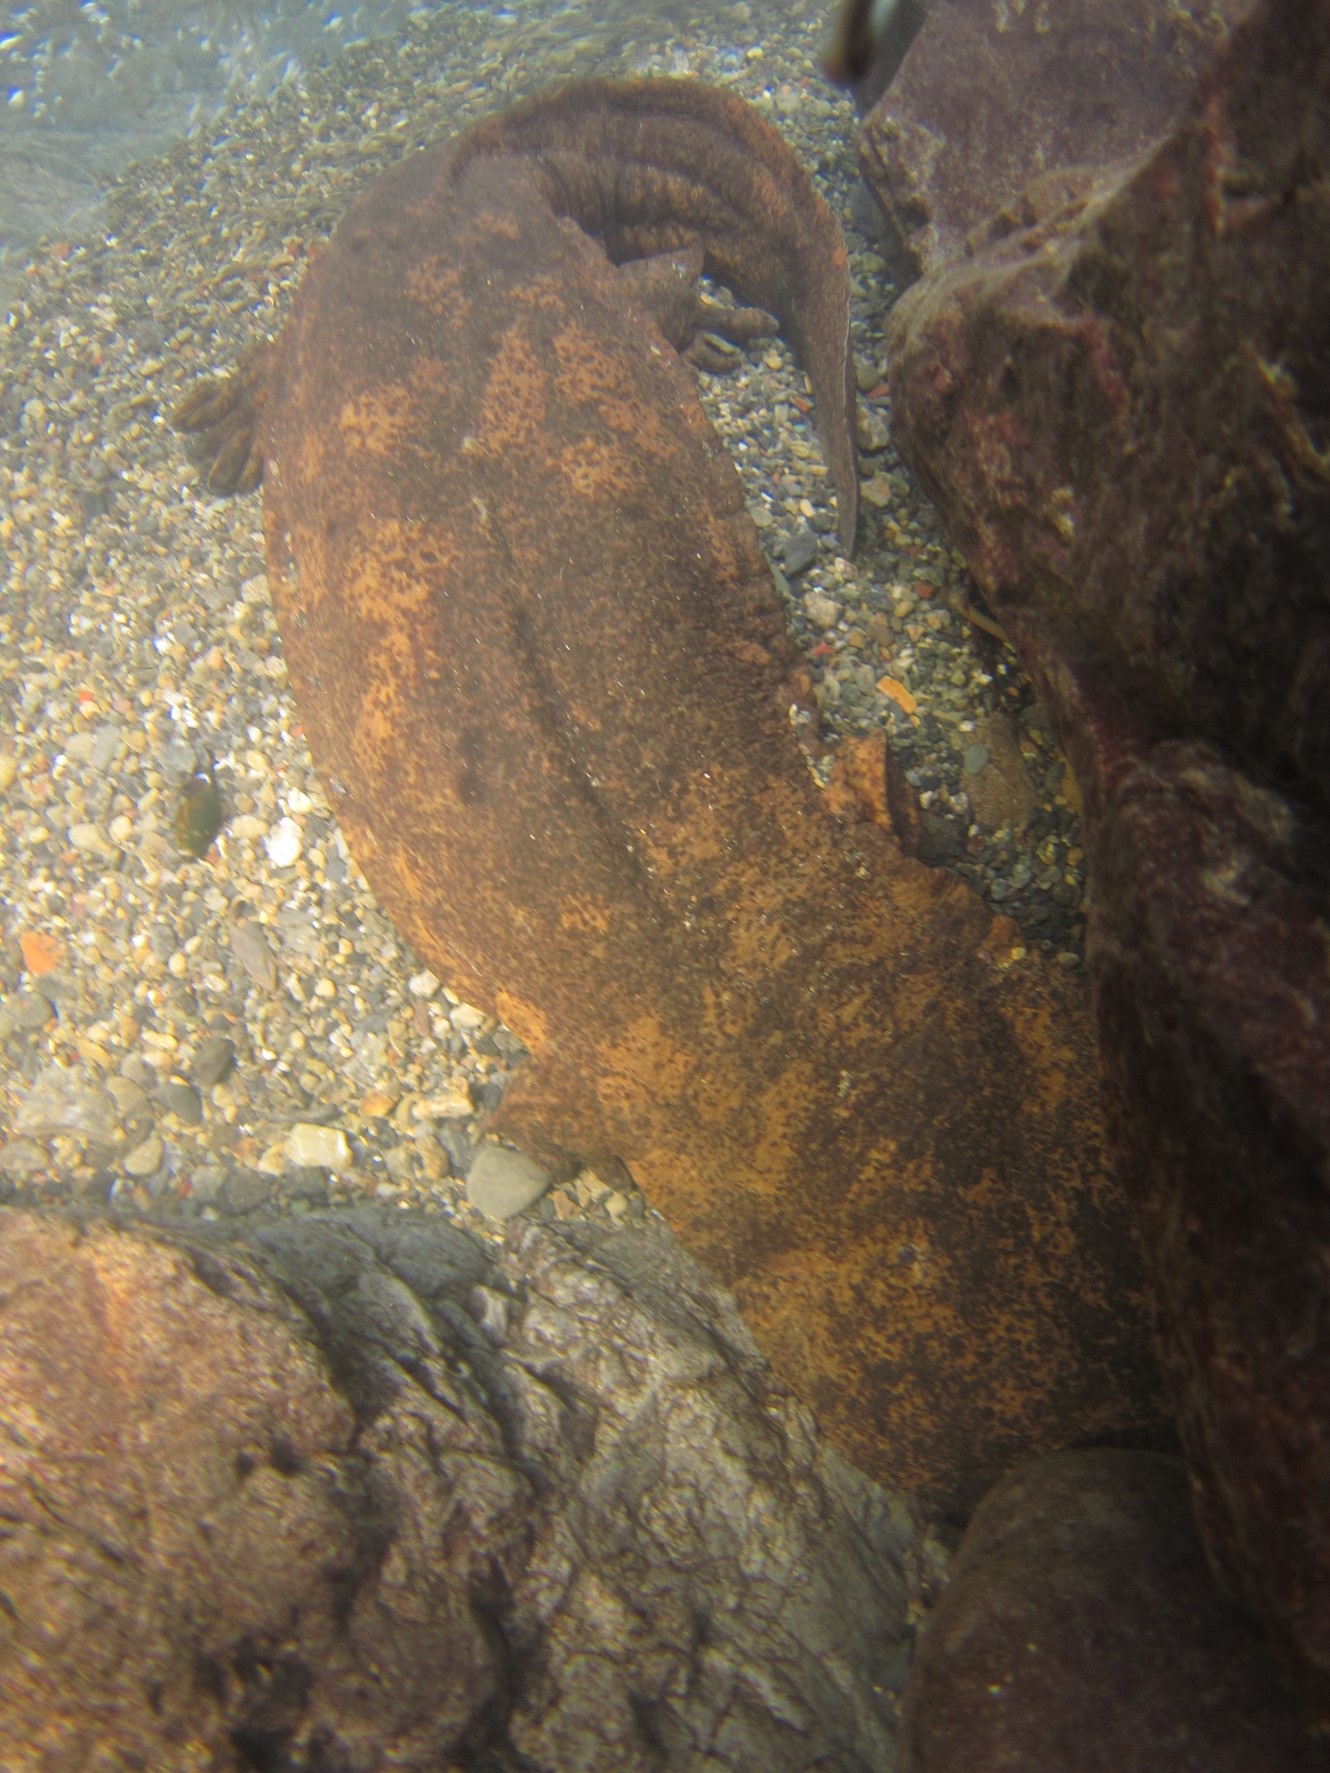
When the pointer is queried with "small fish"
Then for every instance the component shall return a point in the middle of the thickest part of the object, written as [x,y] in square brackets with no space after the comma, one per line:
[868,31]
[199,814]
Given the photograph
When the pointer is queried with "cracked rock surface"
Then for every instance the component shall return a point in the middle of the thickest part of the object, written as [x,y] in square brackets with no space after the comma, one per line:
[350,1491]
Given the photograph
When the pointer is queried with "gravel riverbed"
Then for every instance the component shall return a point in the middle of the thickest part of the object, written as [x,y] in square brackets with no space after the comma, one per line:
[246,1030]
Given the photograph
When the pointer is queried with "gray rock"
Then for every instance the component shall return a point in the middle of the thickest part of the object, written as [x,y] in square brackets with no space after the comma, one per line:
[130,1098]
[205,1184]
[801,550]
[308,1184]
[163,940]
[179,759]
[457,1138]
[29,1010]
[145,1159]
[22,1157]
[78,746]
[546,1499]
[243,1190]
[61,1101]
[501,1182]
[182,1099]
[822,610]
[249,944]
[137,1070]
[105,745]
[214,1061]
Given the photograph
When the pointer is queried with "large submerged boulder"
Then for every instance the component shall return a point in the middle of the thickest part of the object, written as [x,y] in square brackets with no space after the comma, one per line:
[1122,405]
[356,1493]
[991,96]
[1082,1629]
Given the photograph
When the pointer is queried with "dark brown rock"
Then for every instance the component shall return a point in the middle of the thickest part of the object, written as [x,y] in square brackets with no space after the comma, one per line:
[1123,410]
[1081,1629]
[1212,979]
[348,1492]
[990,97]
[543,671]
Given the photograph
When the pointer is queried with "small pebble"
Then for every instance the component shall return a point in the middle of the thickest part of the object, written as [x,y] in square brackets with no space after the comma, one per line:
[451,1104]
[801,550]
[29,1009]
[129,1097]
[323,1148]
[105,744]
[823,611]
[283,843]
[182,1099]
[375,1104]
[308,1184]
[214,1060]
[244,1190]
[22,1157]
[206,1183]
[144,1159]
[89,838]
[250,946]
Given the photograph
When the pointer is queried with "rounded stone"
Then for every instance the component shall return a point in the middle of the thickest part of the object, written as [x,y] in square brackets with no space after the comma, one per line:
[501,1182]
[144,1159]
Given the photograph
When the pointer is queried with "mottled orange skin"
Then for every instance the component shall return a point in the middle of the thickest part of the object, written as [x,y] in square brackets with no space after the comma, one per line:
[544,675]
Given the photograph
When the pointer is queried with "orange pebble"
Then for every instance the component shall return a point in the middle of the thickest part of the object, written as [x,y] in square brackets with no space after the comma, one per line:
[891,686]
[41,953]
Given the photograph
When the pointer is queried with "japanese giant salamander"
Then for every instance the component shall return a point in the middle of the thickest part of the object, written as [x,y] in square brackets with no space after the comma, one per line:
[545,679]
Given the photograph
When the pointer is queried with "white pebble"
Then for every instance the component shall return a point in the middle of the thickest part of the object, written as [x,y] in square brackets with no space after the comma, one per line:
[297,801]
[450,1104]
[423,984]
[324,1148]
[283,843]
[88,838]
